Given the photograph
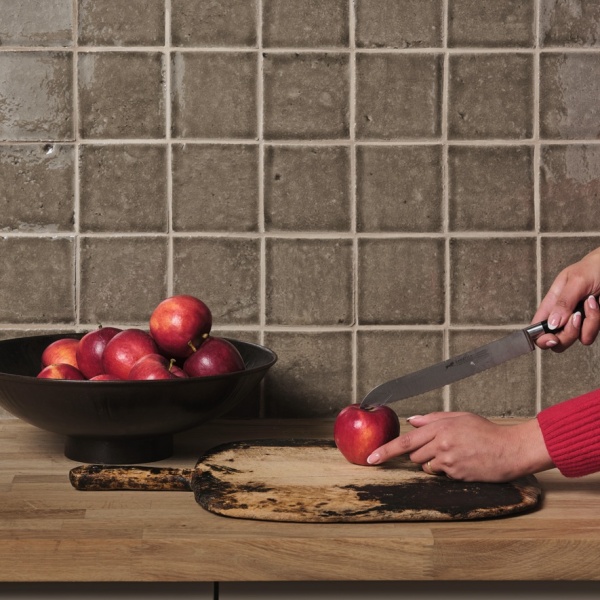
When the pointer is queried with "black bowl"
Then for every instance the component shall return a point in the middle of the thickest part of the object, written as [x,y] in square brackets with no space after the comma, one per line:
[119,421]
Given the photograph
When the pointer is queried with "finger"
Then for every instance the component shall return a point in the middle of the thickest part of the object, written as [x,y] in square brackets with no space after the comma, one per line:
[421,420]
[591,323]
[429,467]
[403,444]
[572,292]
[547,341]
[570,334]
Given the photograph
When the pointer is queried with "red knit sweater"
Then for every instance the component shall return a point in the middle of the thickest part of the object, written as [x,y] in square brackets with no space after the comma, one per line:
[571,432]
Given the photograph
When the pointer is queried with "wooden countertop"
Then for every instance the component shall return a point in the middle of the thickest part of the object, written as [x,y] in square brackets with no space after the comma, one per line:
[52,532]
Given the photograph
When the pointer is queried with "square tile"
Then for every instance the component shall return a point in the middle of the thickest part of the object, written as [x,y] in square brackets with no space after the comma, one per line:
[559,253]
[224,273]
[37,183]
[490,96]
[214,23]
[569,90]
[502,23]
[123,188]
[36,96]
[215,187]
[399,188]
[214,94]
[309,282]
[306,96]
[122,279]
[305,23]
[508,390]
[35,23]
[491,188]
[386,355]
[569,23]
[399,23]
[121,95]
[401,281]
[492,281]
[312,377]
[118,23]
[37,280]
[307,188]
[569,188]
[398,95]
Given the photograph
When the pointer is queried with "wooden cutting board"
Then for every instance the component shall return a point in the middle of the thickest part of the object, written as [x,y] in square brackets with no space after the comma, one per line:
[310,481]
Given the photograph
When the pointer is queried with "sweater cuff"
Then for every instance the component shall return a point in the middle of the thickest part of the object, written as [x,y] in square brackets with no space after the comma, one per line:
[571,431]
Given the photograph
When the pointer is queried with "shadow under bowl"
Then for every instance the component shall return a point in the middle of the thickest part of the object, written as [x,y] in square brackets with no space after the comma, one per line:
[113,422]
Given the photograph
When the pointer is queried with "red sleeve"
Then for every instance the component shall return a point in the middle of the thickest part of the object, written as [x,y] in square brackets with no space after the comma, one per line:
[571,432]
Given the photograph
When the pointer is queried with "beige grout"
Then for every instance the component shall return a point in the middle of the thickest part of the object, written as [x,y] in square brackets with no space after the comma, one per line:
[168,125]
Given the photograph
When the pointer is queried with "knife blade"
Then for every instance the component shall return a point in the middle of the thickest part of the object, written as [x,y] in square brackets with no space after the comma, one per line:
[460,367]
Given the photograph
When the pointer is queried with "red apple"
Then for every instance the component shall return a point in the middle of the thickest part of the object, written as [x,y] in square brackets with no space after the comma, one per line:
[60,371]
[63,351]
[179,325]
[216,356]
[90,350]
[105,377]
[153,366]
[125,349]
[357,431]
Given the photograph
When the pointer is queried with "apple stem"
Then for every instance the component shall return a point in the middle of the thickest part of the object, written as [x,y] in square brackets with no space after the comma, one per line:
[192,346]
[171,363]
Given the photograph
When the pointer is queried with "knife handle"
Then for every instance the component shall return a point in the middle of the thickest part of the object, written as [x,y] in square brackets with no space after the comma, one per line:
[535,331]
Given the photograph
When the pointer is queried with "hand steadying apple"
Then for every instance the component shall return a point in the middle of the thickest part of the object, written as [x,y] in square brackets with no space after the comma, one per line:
[179,330]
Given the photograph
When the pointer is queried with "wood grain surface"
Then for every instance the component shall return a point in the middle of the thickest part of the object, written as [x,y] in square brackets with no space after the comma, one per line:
[50,531]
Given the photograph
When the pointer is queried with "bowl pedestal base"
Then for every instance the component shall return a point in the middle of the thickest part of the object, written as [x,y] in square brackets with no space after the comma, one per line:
[119,450]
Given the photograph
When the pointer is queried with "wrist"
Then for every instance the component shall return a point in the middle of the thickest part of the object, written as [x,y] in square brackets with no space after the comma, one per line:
[532,456]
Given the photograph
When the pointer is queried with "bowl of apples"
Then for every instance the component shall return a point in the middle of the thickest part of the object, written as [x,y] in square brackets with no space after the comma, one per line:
[120,395]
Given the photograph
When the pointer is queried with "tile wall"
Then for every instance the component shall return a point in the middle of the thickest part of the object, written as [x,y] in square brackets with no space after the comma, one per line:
[365,186]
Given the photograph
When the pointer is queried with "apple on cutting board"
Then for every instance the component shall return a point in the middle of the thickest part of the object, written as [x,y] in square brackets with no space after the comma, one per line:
[357,431]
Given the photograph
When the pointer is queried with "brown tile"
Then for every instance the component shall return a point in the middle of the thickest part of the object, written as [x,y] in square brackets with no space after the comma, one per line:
[400,281]
[497,105]
[210,23]
[121,95]
[305,23]
[118,23]
[399,188]
[37,187]
[214,94]
[386,355]
[309,282]
[569,188]
[398,95]
[569,23]
[123,188]
[224,273]
[37,280]
[307,188]
[215,187]
[306,95]
[491,188]
[508,390]
[569,90]
[569,374]
[399,23]
[35,23]
[492,281]
[36,96]
[312,377]
[122,279]
[502,23]
[559,253]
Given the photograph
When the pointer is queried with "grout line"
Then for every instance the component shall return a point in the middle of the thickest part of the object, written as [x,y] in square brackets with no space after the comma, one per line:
[168,128]
[76,168]
[353,200]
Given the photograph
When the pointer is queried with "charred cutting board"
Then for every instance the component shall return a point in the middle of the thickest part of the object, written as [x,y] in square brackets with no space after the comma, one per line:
[310,481]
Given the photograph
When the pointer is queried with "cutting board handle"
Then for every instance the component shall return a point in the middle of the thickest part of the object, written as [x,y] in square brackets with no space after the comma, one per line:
[149,479]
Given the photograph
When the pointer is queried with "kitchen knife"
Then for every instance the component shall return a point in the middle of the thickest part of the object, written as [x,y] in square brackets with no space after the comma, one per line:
[459,367]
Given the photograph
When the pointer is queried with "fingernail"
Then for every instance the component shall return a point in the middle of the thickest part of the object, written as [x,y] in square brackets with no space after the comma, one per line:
[551,343]
[413,417]
[592,303]
[553,321]
[374,458]
[577,319]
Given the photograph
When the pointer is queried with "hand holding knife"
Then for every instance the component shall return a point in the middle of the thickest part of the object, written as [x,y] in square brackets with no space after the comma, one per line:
[459,367]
